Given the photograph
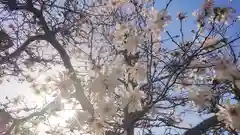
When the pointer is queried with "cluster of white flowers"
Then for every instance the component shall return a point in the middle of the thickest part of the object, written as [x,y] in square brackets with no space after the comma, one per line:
[106,82]
[223,70]
[230,115]
[204,12]
[138,73]
[132,98]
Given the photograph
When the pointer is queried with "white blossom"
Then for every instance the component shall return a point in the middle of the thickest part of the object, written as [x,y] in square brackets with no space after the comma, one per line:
[132,99]
[160,19]
[210,43]
[105,83]
[230,115]
[196,13]
[138,72]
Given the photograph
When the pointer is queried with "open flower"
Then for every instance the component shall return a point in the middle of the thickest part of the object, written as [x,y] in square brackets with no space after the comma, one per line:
[105,83]
[230,115]
[132,99]
[160,19]
[138,72]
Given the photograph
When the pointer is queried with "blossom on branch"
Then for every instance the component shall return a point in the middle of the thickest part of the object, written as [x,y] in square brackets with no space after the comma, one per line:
[138,73]
[132,98]
[160,19]
[106,82]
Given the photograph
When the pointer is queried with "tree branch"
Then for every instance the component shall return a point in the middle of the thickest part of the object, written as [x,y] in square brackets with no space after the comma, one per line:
[50,37]
[79,93]
[21,48]
[203,127]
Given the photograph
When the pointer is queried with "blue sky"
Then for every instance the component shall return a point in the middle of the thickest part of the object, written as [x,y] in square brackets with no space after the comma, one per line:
[188,6]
